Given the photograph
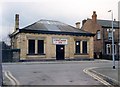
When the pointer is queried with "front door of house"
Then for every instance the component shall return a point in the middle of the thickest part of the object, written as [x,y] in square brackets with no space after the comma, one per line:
[60,52]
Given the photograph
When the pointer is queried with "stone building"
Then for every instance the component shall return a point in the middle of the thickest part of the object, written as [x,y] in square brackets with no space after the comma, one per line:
[103,37]
[49,39]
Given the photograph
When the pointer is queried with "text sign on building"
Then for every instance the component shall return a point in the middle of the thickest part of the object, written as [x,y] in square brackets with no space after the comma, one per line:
[59,41]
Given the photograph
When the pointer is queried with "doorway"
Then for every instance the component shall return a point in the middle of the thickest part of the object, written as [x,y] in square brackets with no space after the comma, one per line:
[60,51]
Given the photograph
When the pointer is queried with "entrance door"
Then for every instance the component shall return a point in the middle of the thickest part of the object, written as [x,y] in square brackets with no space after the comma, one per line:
[60,52]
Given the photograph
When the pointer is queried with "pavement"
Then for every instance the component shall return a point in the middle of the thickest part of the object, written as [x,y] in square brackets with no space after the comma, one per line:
[110,75]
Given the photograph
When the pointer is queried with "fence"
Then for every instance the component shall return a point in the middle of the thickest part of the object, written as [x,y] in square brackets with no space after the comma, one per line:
[10,55]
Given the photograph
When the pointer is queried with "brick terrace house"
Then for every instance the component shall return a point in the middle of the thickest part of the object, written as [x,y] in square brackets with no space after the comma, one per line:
[49,39]
[103,37]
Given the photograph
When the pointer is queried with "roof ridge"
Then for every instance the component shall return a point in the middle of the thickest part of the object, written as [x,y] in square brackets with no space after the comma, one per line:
[79,29]
[106,20]
[102,20]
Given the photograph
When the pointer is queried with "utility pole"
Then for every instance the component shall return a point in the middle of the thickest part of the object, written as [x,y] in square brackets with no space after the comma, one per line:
[113,54]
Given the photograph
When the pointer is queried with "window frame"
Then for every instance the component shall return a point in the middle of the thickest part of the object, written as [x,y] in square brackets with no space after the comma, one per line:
[40,50]
[84,47]
[110,45]
[98,35]
[77,47]
[31,49]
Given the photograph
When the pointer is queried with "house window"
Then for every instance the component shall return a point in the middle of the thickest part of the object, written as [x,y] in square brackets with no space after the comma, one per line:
[98,35]
[109,35]
[84,47]
[77,47]
[109,49]
[40,46]
[31,46]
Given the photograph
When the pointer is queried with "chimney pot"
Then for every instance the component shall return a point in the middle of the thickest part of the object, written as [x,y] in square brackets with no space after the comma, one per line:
[77,25]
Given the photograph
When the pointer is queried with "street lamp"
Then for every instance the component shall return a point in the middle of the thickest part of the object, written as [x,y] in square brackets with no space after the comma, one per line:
[113,55]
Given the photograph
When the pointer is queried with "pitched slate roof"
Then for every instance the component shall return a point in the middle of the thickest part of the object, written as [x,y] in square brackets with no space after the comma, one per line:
[108,23]
[52,27]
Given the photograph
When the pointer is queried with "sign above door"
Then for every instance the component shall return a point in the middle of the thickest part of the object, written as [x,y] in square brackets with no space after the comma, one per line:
[60,41]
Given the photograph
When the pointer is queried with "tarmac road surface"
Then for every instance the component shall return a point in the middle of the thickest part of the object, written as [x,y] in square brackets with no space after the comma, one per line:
[55,72]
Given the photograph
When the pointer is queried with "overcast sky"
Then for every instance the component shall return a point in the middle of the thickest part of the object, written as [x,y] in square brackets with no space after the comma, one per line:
[66,11]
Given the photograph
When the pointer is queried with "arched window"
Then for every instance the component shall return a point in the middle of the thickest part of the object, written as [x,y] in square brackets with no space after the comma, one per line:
[98,34]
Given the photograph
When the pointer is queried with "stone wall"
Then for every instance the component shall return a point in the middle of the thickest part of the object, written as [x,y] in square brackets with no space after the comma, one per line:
[50,48]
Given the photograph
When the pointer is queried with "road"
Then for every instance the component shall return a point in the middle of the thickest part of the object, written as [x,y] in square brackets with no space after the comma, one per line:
[55,73]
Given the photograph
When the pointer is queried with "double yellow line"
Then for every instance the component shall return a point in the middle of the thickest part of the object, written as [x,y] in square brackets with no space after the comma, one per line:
[87,71]
[13,80]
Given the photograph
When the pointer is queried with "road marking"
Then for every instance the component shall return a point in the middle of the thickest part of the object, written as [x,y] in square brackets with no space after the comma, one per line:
[13,80]
[96,77]
[115,81]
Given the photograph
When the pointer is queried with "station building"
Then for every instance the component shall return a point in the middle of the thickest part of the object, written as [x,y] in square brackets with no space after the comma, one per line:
[49,39]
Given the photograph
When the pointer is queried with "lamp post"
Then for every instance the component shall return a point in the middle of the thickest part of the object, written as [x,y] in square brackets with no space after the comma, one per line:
[113,55]
[1,75]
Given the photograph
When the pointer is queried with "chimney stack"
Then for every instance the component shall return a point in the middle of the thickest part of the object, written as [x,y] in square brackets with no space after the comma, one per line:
[77,25]
[83,22]
[16,22]
[94,16]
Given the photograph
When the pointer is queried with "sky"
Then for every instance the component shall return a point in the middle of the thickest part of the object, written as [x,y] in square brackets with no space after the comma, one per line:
[66,11]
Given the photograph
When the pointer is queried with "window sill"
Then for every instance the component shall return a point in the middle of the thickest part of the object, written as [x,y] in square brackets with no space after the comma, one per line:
[81,54]
[37,54]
